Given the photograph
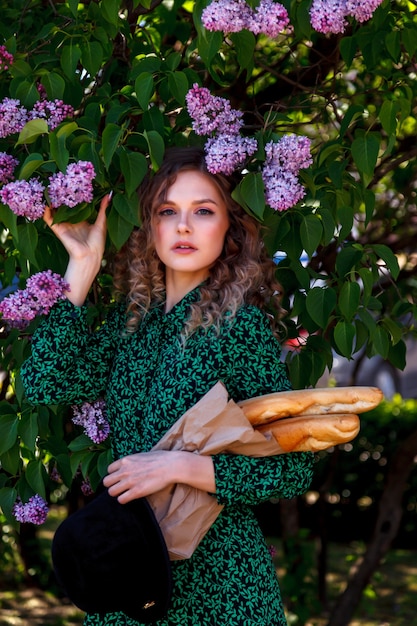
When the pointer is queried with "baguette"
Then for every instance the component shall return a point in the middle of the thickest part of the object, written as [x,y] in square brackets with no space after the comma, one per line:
[329,400]
[312,432]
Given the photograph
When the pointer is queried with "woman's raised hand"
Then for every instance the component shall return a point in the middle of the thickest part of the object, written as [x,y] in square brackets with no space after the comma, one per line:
[84,243]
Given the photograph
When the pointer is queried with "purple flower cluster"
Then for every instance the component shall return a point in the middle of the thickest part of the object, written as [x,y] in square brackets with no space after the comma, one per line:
[225,153]
[282,164]
[6,58]
[212,114]
[13,116]
[7,166]
[24,197]
[42,291]
[34,511]
[73,187]
[86,488]
[226,149]
[93,418]
[330,16]
[54,112]
[232,16]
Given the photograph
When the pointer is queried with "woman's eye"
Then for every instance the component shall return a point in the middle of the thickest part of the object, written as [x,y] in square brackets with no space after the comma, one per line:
[205,211]
[165,212]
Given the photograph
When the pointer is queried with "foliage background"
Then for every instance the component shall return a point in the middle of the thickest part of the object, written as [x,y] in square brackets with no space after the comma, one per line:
[125,67]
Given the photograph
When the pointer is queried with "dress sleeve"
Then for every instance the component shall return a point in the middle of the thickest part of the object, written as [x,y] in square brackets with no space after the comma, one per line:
[253,367]
[69,364]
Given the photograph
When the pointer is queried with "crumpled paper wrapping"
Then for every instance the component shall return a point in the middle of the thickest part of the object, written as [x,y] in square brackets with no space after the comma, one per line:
[214,425]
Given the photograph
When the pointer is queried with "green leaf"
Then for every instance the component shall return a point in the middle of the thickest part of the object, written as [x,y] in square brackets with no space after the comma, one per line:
[9,423]
[397,355]
[392,42]
[31,164]
[348,301]
[156,147]
[59,152]
[28,241]
[28,429]
[134,167]
[80,443]
[54,85]
[244,42]
[8,497]
[36,477]
[387,255]
[69,59]
[388,116]
[365,275]
[92,57]
[144,88]
[344,335]
[253,193]
[347,259]
[320,304]
[110,11]
[31,131]
[119,228]
[11,461]
[110,140]
[365,151]
[394,329]
[381,342]
[311,232]
[348,47]
[178,86]
[73,5]
[127,208]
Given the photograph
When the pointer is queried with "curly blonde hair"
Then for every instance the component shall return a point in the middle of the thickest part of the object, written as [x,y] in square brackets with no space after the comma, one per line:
[243,273]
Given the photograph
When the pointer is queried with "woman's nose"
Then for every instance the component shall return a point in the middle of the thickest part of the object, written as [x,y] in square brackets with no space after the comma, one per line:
[183,225]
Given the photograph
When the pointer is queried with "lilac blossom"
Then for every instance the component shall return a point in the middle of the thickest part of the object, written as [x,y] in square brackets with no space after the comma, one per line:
[7,167]
[42,291]
[86,488]
[212,114]
[226,153]
[54,112]
[6,58]
[74,186]
[93,418]
[24,197]
[229,16]
[283,161]
[13,117]
[328,16]
[360,10]
[270,18]
[232,16]
[34,511]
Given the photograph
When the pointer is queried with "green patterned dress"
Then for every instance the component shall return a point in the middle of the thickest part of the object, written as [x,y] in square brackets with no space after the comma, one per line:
[148,381]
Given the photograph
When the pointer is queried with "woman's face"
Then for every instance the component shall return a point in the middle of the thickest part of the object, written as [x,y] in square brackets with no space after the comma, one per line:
[190,227]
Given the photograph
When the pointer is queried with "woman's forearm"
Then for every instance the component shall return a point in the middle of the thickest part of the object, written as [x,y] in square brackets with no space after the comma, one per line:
[80,275]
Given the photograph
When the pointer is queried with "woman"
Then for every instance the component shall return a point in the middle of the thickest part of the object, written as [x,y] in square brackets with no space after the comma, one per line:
[195,282]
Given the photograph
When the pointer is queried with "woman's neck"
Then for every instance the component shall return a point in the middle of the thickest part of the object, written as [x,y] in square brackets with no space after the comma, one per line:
[177,287]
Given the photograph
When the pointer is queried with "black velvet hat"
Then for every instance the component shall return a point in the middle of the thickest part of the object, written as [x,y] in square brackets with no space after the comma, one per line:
[111,557]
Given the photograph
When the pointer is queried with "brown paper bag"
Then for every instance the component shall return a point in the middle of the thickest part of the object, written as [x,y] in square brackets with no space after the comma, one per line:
[211,426]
